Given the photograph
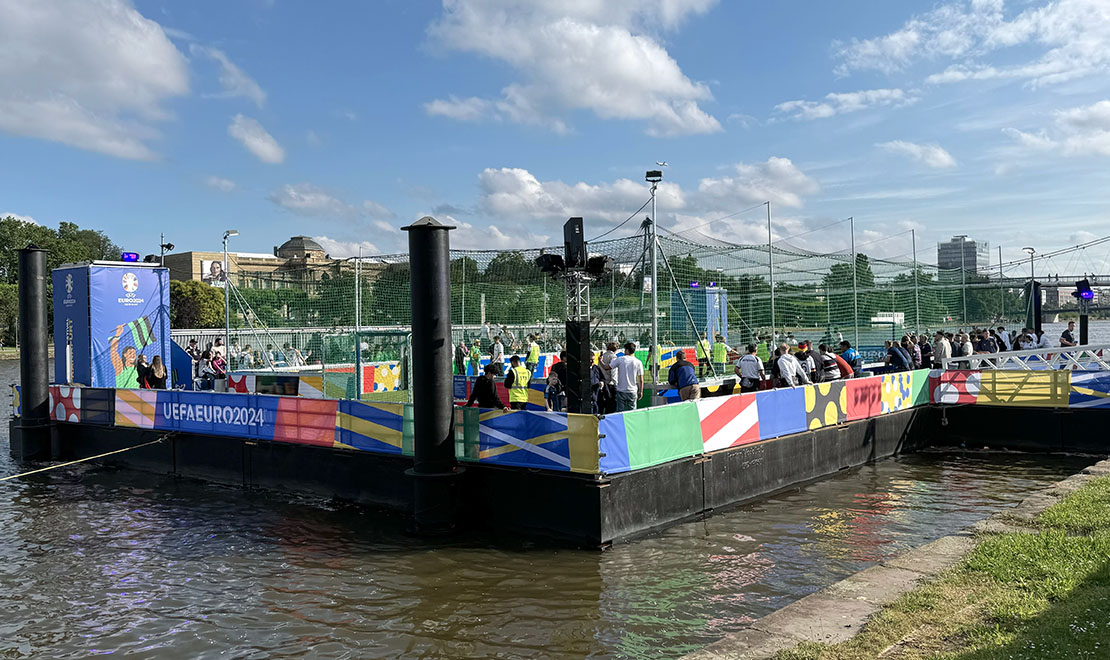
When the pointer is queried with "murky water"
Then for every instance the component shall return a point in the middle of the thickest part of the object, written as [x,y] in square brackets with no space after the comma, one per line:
[95,560]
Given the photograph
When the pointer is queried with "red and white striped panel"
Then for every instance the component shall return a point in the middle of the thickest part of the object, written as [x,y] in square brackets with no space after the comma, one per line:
[728,421]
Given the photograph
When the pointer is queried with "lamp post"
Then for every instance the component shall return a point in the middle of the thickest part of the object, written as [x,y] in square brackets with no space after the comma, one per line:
[163,247]
[654,177]
[227,299]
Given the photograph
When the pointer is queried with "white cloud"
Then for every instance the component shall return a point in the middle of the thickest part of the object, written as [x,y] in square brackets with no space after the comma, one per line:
[841,103]
[1071,39]
[516,193]
[255,138]
[590,56]
[233,79]
[777,180]
[338,249]
[21,218]
[1081,131]
[220,183]
[932,155]
[491,237]
[92,75]
[309,200]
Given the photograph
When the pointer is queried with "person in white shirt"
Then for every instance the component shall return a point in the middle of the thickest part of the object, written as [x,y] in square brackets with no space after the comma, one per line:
[497,355]
[942,348]
[1042,340]
[791,371]
[629,377]
[1004,337]
[750,370]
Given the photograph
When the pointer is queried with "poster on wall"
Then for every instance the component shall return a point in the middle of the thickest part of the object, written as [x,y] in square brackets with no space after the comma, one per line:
[129,321]
[212,272]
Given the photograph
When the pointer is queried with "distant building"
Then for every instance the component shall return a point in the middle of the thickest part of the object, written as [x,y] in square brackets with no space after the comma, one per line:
[962,252]
[300,261]
[1050,296]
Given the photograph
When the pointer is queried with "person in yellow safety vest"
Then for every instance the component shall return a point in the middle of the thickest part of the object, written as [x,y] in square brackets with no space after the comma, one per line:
[475,360]
[701,350]
[517,381]
[720,355]
[533,358]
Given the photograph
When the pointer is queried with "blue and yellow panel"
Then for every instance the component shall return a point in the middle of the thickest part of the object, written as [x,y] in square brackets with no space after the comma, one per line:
[826,404]
[897,391]
[1043,389]
[1089,390]
[526,438]
[781,412]
[376,427]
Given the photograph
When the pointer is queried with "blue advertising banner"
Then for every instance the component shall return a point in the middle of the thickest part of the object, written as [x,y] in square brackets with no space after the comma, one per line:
[129,316]
[217,413]
[781,411]
[71,326]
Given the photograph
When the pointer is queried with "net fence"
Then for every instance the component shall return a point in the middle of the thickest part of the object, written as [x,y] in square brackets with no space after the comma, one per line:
[350,320]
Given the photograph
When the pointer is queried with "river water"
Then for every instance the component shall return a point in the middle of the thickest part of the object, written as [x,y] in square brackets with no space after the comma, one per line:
[96,560]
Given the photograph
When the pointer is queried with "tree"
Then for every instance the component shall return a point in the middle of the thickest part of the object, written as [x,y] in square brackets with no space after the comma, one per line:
[195,304]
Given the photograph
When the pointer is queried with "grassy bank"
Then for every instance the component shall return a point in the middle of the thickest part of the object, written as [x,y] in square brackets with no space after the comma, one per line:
[1038,595]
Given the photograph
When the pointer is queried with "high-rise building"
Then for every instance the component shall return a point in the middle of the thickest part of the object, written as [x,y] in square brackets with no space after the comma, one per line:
[962,252]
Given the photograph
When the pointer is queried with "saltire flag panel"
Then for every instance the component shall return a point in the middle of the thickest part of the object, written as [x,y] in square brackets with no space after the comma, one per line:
[1089,390]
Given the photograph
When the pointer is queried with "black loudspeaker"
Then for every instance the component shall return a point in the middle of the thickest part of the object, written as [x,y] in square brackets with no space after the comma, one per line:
[579,360]
[574,244]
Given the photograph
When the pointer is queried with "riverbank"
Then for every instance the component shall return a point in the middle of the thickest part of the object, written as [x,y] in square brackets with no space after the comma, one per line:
[12,352]
[1036,585]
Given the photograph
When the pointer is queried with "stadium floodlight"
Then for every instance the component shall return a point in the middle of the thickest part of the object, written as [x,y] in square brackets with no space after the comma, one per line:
[653,176]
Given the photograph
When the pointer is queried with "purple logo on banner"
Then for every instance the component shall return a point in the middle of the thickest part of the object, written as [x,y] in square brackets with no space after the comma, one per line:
[217,413]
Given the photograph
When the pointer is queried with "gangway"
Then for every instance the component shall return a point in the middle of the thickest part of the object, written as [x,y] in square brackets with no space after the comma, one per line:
[1080,358]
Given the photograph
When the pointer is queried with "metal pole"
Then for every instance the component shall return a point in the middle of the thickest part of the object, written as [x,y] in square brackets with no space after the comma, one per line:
[1001,291]
[227,304]
[855,295]
[358,326]
[771,263]
[31,437]
[963,277]
[654,288]
[161,249]
[434,468]
[462,309]
[916,297]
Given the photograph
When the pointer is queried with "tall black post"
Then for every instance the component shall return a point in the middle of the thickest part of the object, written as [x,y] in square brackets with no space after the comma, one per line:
[30,437]
[434,467]
[1083,327]
[579,360]
[579,357]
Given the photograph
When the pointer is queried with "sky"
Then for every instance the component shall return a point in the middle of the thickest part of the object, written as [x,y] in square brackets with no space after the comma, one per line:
[347,120]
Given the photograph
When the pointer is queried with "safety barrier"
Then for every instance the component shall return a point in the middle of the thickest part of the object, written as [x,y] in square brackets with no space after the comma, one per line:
[532,438]
[1061,388]
[1081,358]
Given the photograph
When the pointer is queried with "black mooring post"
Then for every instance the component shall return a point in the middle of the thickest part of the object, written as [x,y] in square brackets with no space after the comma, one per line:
[434,467]
[30,437]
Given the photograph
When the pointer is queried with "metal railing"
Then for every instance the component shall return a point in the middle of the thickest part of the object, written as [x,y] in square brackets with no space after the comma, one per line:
[1083,358]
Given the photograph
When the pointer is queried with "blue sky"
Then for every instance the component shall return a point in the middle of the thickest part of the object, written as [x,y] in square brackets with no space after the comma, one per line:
[347,120]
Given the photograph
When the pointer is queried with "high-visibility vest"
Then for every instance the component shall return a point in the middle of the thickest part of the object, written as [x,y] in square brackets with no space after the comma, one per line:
[475,355]
[533,353]
[702,349]
[720,352]
[519,389]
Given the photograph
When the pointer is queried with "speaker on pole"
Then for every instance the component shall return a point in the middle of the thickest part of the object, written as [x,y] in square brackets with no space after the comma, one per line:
[579,360]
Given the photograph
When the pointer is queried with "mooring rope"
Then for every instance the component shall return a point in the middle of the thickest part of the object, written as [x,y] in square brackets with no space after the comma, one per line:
[82,460]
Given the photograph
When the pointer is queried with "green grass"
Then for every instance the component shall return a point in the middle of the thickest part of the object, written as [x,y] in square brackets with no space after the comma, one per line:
[1044,595]
[397,396]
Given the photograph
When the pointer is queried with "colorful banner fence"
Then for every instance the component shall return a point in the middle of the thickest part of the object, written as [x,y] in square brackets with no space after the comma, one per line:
[1028,389]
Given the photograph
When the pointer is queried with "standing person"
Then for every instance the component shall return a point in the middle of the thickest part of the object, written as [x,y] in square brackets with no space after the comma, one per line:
[683,377]
[831,369]
[926,351]
[156,376]
[942,349]
[205,375]
[597,385]
[533,358]
[1042,339]
[896,357]
[809,360]
[460,357]
[559,372]
[629,377]
[484,392]
[720,354]
[842,365]
[701,352]
[517,381]
[776,374]
[852,357]
[750,370]
[218,347]
[1067,337]
[194,354]
[497,355]
[1004,337]
[608,396]
[911,347]
[142,369]
[791,372]
[475,359]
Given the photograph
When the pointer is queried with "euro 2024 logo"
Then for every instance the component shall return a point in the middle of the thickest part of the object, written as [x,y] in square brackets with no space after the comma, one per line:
[69,284]
[130,282]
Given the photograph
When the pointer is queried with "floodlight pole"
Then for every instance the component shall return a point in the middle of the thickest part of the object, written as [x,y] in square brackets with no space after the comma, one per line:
[916,297]
[771,264]
[654,177]
[227,299]
[963,277]
[855,295]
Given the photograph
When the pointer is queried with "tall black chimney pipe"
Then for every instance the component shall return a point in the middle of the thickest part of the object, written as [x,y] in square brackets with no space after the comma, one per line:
[434,466]
[30,438]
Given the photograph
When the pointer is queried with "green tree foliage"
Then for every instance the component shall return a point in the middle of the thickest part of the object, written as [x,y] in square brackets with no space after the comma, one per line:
[195,304]
[66,244]
[9,312]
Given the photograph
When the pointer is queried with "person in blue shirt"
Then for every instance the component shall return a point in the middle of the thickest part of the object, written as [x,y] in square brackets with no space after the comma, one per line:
[852,357]
[897,357]
[683,376]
